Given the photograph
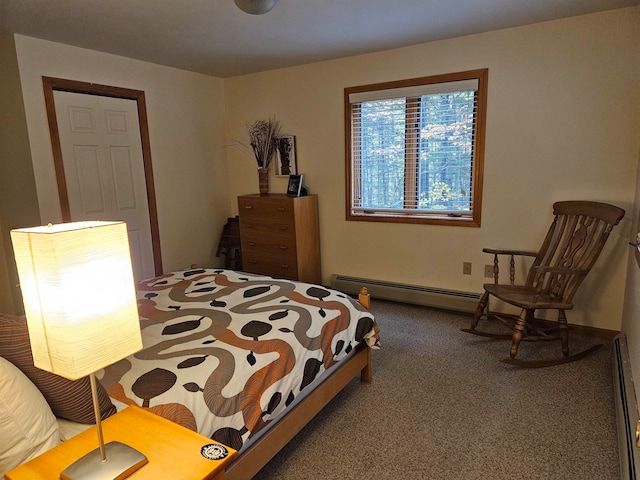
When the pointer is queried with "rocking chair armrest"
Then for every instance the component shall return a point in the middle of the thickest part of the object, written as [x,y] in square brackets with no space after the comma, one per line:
[509,252]
[512,263]
[560,270]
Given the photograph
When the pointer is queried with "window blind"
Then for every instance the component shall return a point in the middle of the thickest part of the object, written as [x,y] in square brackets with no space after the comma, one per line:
[414,91]
[412,149]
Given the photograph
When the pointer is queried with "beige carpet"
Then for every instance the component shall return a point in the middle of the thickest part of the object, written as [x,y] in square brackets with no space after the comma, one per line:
[441,406]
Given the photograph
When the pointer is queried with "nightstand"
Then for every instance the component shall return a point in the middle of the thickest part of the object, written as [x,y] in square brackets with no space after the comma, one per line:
[173,451]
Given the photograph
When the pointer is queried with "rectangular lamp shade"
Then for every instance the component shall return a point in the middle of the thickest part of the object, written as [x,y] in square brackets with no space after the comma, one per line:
[79,295]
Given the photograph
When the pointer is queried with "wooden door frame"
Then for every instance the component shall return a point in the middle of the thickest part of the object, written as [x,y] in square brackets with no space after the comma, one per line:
[50,85]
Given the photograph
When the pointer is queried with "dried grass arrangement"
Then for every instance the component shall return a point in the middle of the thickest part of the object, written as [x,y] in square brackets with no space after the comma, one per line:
[263,142]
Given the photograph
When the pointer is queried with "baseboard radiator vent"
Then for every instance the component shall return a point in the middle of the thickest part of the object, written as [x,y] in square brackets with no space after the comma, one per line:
[626,410]
[414,294]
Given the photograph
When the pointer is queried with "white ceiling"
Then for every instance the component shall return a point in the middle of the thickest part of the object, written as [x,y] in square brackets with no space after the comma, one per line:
[214,37]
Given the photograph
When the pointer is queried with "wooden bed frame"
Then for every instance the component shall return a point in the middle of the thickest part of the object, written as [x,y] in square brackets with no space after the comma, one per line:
[266,447]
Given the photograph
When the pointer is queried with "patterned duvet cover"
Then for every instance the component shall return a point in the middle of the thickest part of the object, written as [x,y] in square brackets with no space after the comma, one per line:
[225,352]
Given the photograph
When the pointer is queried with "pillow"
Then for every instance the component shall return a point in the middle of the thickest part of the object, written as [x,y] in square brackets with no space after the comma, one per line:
[70,399]
[27,425]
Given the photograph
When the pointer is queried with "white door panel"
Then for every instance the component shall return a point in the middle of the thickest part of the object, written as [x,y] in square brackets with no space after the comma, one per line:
[85,184]
[136,246]
[104,168]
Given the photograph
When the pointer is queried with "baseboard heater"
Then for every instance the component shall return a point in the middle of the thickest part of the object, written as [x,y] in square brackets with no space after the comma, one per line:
[414,294]
[626,410]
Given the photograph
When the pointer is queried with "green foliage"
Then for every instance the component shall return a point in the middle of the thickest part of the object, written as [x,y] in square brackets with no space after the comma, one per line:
[442,158]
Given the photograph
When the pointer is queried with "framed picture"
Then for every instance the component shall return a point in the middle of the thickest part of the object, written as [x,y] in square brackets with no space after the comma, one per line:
[286,156]
[295,185]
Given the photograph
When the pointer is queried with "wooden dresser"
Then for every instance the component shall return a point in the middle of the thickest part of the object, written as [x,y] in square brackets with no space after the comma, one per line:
[279,236]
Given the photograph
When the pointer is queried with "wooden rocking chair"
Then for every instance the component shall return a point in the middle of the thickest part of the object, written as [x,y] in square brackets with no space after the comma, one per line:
[572,245]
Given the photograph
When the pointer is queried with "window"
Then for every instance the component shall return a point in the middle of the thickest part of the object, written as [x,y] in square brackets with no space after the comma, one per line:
[415,149]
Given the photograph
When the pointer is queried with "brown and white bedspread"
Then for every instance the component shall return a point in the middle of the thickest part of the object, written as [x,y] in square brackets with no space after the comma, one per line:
[226,352]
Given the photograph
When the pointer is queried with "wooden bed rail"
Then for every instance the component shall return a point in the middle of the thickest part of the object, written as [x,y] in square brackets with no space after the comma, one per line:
[259,454]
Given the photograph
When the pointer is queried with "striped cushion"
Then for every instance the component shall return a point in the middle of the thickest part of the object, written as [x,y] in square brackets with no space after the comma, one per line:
[70,399]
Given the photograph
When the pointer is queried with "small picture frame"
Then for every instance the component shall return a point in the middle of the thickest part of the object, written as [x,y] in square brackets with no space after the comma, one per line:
[295,185]
[286,163]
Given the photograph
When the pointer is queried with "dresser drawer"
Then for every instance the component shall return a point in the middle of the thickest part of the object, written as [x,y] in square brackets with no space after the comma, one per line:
[266,208]
[269,245]
[274,266]
[255,227]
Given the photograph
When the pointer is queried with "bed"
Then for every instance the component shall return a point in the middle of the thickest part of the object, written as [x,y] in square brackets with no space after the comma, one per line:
[244,359]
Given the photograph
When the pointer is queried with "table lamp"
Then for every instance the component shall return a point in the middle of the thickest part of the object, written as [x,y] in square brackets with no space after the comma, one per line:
[80,303]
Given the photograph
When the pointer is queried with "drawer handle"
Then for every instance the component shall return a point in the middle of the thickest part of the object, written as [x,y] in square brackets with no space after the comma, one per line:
[281,209]
[282,228]
[250,225]
[251,244]
[285,265]
[253,261]
[248,207]
[284,247]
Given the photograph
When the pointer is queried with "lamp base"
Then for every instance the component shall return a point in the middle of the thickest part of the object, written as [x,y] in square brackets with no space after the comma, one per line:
[122,461]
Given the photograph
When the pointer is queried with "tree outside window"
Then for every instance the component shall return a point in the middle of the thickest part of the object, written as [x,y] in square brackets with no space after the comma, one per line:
[415,149]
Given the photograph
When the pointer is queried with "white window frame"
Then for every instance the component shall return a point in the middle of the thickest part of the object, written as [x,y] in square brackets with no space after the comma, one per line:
[409,89]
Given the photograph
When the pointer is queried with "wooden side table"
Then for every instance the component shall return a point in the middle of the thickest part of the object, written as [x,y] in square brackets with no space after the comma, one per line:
[173,451]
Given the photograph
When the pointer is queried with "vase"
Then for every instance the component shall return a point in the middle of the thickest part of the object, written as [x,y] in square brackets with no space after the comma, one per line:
[263,180]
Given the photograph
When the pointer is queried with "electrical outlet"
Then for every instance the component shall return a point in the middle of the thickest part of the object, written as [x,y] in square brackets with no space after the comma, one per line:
[466,268]
[488,271]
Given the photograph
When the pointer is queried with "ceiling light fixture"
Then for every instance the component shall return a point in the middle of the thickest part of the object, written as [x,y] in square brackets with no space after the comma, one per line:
[255,7]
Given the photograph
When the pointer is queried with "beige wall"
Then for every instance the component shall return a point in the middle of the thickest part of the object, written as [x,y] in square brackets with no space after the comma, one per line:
[18,198]
[186,124]
[631,312]
[7,303]
[563,123]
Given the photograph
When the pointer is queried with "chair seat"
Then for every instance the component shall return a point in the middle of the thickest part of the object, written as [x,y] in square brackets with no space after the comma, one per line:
[526,297]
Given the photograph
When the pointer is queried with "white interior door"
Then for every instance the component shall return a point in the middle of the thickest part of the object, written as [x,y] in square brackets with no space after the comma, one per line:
[104,168]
